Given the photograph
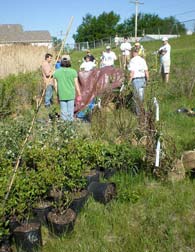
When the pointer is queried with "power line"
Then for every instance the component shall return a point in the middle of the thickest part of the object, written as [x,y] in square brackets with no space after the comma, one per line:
[187,20]
[183,13]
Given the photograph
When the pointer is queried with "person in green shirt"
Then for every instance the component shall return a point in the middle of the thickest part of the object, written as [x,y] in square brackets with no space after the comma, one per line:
[67,88]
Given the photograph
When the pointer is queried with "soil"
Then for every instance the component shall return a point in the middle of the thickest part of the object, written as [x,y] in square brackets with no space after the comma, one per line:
[42,204]
[110,192]
[65,218]
[27,227]
[5,248]
[78,195]
[90,173]
[56,194]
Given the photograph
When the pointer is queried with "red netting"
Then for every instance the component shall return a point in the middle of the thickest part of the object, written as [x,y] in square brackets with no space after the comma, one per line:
[96,82]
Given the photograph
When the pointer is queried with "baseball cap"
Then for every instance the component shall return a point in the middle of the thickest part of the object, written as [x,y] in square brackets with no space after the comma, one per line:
[108,47]
[66,57]
[137,44]
[164,39]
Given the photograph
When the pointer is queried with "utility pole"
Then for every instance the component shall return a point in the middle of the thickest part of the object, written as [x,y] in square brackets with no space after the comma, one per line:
[136,2]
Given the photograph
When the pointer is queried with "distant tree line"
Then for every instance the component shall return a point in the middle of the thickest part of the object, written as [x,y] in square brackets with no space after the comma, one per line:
[107,24]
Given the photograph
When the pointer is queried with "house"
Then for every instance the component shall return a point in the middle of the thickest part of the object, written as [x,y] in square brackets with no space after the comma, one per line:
[13,34]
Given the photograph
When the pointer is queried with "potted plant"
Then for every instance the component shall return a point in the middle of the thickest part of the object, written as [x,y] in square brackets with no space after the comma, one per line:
[61,218]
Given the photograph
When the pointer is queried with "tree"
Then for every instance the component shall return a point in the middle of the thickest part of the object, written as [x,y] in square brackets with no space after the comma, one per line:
[94,28]
[152,24]
[107,24]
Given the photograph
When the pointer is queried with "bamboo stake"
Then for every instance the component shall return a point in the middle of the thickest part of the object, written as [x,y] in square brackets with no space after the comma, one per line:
[32,123]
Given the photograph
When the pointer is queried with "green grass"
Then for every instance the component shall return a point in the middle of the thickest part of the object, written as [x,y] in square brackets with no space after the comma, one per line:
[146,216]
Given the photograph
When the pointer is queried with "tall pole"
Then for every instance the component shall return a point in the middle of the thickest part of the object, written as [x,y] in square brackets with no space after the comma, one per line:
[136,2]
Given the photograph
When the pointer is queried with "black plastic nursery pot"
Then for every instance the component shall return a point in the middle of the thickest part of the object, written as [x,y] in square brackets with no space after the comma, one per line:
[5,245]
[61,223]
[28,237]
[79,200]
[102,192]
[41,211]
[92,176]
[108,173]
[13,224]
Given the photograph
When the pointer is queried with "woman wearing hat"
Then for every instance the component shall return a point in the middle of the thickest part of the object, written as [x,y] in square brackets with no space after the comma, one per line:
[140,49]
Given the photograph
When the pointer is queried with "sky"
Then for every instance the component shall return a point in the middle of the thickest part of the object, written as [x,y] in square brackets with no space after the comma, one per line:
[55,16]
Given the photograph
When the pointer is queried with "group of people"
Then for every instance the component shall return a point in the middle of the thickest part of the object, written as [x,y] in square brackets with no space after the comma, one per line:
[65,79]
[109,57]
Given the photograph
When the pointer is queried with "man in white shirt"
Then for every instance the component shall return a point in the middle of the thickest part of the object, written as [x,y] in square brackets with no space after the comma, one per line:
[108,57]
[165,59]
[87,65]
[125,49]
[138,76]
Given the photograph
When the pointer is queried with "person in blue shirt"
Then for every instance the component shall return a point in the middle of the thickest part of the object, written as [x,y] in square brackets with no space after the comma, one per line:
[58,63]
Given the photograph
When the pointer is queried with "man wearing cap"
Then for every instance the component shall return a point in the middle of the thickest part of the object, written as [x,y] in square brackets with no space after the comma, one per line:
[108,57]
[139,75]
[67,88]
[165,59]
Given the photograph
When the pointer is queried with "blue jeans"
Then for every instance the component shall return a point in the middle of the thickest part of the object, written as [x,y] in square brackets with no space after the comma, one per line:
[138,92]
[48,95]
[67,110]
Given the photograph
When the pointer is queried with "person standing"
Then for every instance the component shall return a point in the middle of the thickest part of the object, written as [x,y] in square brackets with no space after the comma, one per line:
[139,76]
[67,88]
[140,49]
[108,57]
[116,40]
[48,79]
[92,58]
[87,65]
[125,48]
[58,62]
[165,59]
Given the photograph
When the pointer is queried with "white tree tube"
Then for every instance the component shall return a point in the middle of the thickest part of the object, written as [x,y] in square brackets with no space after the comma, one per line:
[122,87]
[157,162]
[157,108]
[99,103]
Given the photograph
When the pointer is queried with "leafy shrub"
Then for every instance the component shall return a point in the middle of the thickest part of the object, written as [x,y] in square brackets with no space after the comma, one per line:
[16,92]
[12,133]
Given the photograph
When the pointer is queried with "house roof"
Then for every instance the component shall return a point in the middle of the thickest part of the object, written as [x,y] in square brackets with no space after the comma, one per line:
[13,33]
